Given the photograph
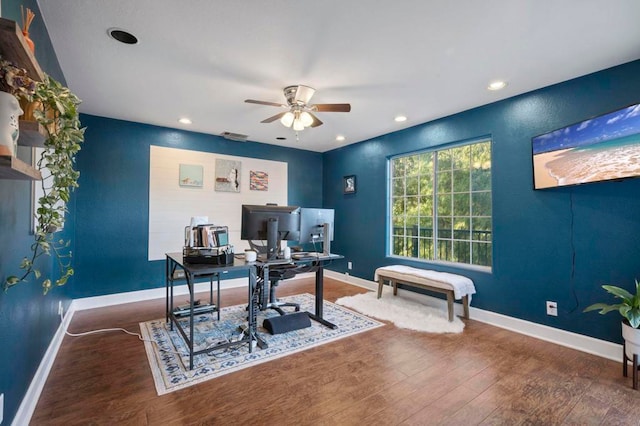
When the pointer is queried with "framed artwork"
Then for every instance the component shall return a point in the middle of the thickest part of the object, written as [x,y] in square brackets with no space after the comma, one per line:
[350,184]
[258,181]
[228,175]
[191,175]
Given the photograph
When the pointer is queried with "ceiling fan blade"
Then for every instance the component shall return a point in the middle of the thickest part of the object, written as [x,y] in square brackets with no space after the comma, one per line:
[332,107]
[316,121]
[274,118]
[253,101]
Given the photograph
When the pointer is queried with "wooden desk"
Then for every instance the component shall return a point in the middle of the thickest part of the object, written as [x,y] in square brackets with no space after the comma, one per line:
[195,271]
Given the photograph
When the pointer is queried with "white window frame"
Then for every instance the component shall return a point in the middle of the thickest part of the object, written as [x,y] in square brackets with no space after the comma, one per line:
[435,216]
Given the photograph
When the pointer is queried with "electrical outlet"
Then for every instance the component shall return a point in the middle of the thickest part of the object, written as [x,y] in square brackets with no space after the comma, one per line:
[349,265]
[1,407]
[60,308]
[178,273]
[552,308]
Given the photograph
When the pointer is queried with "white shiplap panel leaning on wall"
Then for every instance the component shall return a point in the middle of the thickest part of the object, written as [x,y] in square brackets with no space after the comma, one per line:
[171,206]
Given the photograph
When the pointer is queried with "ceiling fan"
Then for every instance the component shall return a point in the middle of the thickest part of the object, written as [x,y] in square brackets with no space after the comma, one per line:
[300,113]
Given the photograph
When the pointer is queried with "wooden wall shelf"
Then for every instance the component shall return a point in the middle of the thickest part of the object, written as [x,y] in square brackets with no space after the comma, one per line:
[14,168]
[14,48]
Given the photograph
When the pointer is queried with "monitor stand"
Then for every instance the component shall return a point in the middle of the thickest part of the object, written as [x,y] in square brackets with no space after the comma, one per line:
[326,239]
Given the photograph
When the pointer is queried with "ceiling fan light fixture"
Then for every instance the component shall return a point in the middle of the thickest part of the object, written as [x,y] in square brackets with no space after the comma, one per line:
[297,125]
[287,119]
[306,119]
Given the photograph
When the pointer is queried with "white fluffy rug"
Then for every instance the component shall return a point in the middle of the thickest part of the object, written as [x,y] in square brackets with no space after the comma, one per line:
[402,312]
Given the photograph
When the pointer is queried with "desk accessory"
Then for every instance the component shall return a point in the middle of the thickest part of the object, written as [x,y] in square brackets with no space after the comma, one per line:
[207,244]
[250,255]
[288,322]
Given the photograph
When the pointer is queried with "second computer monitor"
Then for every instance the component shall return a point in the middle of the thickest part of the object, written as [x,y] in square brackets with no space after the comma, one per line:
[312,222]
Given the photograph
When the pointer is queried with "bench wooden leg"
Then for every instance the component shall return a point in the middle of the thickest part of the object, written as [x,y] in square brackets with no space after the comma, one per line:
[394,283]
[450,305]
[380,284]
[465,305]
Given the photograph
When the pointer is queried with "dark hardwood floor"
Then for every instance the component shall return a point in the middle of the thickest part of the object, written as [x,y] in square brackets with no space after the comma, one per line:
[386,376]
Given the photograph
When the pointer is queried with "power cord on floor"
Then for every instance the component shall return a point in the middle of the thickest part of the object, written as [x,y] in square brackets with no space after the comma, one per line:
[106,330]
[139,336]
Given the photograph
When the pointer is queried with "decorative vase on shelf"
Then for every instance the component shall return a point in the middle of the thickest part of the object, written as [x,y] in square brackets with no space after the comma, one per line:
[29,108]
[27,19]
[9,128]
[32,47]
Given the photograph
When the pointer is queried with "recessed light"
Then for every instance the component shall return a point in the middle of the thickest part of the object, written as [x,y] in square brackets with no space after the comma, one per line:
[122,36]
[281,138]
[497,85]
[400,118]
[184,120]
[340,138]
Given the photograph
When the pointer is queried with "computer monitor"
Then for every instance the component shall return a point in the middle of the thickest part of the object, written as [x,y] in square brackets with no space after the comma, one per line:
[270,223]
[312,226]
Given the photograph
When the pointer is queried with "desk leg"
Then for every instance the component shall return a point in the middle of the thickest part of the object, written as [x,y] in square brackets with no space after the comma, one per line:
[253,307]
[170,268]
[264,296]
[190,283]
[320,299]
[218,297]
[166,287]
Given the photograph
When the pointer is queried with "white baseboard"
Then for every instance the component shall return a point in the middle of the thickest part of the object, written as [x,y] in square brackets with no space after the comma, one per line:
[28,404]
[158,293]
[154,293]
[602,348]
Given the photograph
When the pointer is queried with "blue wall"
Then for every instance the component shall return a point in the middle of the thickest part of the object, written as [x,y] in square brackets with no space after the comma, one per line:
[112,210]
[536,233]
[28,320]
[558,244]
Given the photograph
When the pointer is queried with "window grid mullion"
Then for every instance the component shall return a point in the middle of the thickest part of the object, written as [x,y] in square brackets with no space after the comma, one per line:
[434,175]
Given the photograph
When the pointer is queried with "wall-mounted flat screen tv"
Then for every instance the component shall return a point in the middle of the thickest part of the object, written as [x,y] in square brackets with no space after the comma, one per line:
[606,147]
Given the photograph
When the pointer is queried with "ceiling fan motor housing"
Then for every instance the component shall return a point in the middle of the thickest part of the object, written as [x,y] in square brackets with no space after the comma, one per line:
[298,95]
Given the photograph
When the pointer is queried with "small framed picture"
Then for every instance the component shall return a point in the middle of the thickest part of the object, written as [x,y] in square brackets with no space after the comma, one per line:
[350,184]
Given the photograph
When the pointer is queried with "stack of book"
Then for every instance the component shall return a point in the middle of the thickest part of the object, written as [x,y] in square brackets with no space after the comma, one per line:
[207,236]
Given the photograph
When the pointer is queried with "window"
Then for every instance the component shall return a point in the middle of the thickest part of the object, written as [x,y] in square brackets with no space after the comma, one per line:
[440,204]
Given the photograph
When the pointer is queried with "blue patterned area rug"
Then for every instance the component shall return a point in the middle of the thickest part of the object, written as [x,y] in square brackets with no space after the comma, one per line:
[170,367]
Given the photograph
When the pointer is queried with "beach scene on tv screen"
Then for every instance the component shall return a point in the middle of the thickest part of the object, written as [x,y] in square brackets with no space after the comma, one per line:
[602,148]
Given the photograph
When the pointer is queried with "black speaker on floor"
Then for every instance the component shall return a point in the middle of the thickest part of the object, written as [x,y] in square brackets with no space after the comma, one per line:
[288,322]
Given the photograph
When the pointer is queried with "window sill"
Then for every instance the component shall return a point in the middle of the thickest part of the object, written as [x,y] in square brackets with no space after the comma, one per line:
[465,266]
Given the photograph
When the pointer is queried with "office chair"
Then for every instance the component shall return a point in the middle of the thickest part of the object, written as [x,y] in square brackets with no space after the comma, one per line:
[285,321]
[277,274]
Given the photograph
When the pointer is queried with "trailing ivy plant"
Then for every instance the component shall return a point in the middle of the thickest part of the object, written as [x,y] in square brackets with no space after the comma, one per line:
[59,115]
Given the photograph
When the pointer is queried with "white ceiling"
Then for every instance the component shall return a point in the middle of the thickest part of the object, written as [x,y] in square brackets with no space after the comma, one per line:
[422,58]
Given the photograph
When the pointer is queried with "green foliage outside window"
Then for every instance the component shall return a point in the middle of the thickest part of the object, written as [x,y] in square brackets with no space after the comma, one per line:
[441,205]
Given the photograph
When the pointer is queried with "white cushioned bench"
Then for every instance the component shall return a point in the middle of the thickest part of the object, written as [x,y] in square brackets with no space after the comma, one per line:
[454,286]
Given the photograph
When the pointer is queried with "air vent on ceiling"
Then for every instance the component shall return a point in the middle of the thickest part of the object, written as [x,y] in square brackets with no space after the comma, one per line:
[234,136]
